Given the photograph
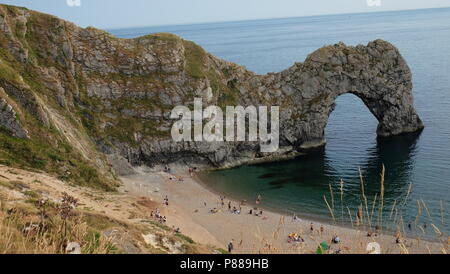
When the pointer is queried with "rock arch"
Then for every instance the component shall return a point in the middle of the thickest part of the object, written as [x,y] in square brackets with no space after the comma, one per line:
[375,73]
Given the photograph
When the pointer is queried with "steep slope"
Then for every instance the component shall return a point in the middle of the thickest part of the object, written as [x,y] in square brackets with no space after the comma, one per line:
[32,216]
[81,96]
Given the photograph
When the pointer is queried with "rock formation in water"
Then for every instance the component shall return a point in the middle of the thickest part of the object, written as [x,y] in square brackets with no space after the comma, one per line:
[87,92]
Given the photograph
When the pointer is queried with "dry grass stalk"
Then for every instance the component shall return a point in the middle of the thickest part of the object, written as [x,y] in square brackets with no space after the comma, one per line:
[350,215]
[341,188]
[25,232]
[419,212]
[380,214]
[426,209]
[332,196]
[364,197]
[393,207]
[407,194]
[373,205]
[329,208]
[437,231]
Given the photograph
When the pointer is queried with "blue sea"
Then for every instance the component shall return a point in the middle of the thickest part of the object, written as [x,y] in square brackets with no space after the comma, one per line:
[417,166]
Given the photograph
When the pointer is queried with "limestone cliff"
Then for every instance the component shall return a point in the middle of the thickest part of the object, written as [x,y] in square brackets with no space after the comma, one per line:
[87,92]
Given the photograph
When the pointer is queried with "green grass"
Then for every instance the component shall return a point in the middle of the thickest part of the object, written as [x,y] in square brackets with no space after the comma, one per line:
[195,58]
[184,238]
[39,154]
[93,242]
[9,74]
[223,251]
[163,36]
[99,222]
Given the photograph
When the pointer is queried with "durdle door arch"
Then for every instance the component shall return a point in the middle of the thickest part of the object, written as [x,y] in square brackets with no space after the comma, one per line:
[375,73]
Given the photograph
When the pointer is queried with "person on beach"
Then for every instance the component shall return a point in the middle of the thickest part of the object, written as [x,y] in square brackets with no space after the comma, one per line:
[162,219]
[250,212]
[359,216]
[336,239]
[230,246]
[258,199]
[229,205]
[321,230]
[311,228]
[191,172]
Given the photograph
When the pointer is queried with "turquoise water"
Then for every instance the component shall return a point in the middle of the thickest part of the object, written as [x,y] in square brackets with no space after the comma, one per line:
[422,161]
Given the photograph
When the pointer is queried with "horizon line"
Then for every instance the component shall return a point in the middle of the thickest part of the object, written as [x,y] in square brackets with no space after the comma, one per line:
[267,18]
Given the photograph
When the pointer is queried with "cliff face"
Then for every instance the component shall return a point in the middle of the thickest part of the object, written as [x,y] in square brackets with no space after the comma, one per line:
[86,91]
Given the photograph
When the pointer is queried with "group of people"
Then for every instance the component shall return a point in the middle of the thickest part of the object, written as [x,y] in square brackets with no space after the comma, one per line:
[321,229]
[294,237]
[172,177]
[232,209]
[254,211]
[336,239]
[236,209]
[176,230]
[176,179]
[157,214]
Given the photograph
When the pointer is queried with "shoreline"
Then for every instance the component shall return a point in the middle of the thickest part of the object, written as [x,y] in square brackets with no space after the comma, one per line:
[191,203]
[309,217]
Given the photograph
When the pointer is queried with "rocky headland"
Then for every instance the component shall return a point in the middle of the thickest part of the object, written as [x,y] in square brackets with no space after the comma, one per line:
[86,105]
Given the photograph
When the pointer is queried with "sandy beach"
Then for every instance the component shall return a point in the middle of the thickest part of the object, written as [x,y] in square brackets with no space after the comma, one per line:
[190,205]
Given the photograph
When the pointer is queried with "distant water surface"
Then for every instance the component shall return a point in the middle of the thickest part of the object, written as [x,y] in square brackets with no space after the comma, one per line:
[298,186]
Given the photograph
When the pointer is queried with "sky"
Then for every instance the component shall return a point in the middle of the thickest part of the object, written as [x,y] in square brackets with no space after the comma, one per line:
[108,14]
